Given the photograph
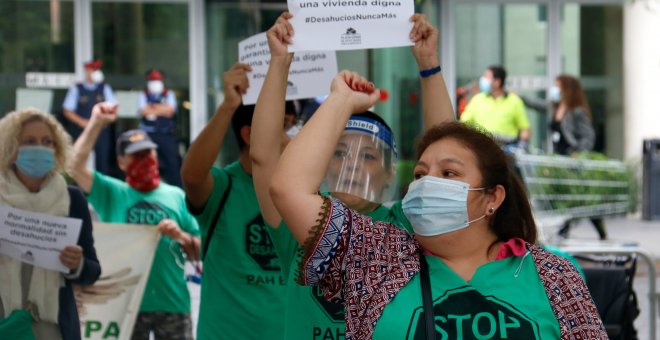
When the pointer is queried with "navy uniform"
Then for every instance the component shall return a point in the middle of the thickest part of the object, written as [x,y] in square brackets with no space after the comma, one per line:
[161,129]
[80,99]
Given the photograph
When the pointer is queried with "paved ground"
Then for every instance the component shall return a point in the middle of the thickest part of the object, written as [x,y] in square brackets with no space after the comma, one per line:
[630,230]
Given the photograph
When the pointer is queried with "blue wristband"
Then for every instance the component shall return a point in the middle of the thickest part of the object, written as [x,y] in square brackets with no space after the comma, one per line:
[429,72]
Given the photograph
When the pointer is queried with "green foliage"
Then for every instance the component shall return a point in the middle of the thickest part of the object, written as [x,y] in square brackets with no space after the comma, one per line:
[587,184]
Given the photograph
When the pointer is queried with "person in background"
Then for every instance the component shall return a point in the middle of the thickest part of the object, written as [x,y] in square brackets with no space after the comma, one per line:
[499,111]
[143,199]
[78,104]
[243,290]
[571,130]
[34,149]
[292,123]
[361,173]
[157,106]
[471,269]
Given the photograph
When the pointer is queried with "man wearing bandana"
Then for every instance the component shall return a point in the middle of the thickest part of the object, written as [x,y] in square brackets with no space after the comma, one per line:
[143,199]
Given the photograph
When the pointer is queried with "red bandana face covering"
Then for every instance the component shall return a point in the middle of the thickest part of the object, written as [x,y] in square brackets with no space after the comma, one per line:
[142,174]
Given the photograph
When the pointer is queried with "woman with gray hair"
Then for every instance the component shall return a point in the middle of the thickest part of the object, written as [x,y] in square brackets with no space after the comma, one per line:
[34,149]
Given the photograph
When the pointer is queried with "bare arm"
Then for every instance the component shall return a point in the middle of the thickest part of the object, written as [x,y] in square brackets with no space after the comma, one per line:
[267,123]
[196,167]
[103,114]
[436,104]
[303,164]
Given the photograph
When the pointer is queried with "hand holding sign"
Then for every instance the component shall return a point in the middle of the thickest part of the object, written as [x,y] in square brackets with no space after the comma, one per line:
[236,84]
[279,36]
[355,90]
[71,257]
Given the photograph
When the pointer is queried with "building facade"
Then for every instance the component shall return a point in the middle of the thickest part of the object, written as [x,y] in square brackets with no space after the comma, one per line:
[610,45]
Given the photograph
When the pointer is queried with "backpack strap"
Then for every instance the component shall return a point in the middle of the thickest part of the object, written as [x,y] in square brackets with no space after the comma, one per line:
[214,222]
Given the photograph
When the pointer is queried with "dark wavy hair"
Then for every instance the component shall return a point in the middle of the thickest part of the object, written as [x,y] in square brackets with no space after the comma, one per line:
[514,217]
[572,94]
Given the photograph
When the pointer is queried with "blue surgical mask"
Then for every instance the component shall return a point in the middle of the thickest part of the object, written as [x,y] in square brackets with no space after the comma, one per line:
[436,206]
[35,161]
[554,94]
[485,85]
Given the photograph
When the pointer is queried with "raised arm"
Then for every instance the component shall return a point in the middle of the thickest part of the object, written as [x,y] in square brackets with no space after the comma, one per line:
[103,114]
[267,122]
[298,176]
[436,104]
[196,167]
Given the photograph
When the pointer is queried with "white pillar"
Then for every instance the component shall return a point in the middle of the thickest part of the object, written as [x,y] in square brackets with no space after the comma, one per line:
[82,28]
[641,48]
[197,55]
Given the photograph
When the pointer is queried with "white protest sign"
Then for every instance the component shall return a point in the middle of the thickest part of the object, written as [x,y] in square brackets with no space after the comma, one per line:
[350,24]
[310,73]
[36,238]
[109,307]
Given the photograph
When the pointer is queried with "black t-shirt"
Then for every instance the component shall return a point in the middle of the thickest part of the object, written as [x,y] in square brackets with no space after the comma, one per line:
[558,139]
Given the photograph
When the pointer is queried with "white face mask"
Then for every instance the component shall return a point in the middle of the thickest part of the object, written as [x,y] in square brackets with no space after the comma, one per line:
[155,86]
[97,77]
[485,85]
[554,94]
[436,206]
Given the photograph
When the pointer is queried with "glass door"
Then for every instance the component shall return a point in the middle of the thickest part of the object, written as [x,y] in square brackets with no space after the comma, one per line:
[36,53]
[510,35]
[592,51]
[133,37]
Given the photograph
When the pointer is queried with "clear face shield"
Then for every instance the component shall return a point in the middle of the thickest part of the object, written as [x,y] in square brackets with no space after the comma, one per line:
[364,162]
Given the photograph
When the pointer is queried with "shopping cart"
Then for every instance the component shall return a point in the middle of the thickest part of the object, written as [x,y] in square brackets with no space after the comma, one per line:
[562,188]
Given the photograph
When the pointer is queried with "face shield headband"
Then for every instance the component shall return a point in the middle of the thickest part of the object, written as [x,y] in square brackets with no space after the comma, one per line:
[364,161]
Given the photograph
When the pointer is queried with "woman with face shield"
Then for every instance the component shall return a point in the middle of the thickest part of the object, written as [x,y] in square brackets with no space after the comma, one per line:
[361,173]
[36,301]
[472,268]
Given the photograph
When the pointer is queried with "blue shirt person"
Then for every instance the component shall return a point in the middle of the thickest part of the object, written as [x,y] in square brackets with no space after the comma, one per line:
[77,106]
[157,107]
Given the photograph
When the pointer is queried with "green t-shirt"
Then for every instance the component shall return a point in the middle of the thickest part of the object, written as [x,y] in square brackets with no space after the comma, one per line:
[116,202]
[308,314]
[504,115]
[243,292]
[504,300]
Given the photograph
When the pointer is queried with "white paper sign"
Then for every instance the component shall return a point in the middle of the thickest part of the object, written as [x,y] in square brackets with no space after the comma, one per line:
[350,24]
[36,238]
[310,73]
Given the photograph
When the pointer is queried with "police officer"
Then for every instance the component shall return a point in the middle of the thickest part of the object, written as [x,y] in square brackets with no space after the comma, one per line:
[157,106]
[78,104]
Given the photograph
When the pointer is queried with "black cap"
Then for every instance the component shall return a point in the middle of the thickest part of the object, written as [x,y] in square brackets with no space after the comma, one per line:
[133,141]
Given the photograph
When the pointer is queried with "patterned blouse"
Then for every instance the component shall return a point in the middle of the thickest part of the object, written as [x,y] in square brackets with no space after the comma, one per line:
[364,264]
